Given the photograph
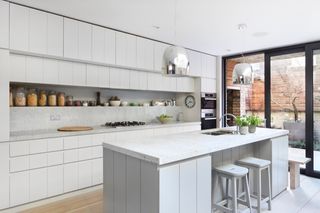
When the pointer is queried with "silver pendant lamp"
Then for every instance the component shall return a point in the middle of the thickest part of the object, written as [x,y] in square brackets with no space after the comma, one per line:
[175,62]
[242,72]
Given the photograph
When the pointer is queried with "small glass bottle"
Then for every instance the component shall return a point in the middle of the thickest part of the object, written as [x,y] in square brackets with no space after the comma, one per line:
[52,98]
[20,98]
[61,99]
[42,98]
[69,101]
[32,98]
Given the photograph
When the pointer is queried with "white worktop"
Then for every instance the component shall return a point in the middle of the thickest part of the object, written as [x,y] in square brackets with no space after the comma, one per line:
[53,133]
[172,148]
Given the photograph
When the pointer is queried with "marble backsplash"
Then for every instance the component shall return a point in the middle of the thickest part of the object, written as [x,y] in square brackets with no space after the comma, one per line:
[44,118]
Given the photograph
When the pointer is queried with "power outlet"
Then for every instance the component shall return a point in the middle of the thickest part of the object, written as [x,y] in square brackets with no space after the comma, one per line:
[55,117]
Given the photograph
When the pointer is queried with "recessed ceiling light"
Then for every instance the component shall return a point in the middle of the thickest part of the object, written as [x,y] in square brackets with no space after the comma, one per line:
[260,34]
[242,26]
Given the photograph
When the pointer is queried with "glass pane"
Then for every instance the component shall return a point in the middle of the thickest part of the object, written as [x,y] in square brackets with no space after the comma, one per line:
[316,109]
[288,98]
[246,99]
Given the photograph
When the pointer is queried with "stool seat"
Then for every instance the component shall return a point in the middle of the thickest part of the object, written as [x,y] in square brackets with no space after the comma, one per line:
[254,162]
[232,170]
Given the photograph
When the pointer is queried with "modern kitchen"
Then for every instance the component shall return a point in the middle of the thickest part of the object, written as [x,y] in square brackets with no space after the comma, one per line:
[159,106]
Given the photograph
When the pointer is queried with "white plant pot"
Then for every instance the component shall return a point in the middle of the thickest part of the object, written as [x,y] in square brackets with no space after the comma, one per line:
[243,130]
[252,129]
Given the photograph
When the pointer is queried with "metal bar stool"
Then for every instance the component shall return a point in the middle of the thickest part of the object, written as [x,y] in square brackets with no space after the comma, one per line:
[258,165]
[234,173]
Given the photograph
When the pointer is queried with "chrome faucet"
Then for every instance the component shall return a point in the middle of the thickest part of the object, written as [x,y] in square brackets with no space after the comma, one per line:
[231,115]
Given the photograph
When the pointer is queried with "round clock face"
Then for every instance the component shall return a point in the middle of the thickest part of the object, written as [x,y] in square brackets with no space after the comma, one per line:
[190,101]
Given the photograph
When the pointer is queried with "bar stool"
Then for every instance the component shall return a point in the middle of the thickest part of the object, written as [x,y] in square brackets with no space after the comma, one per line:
[234,173]
[258,165]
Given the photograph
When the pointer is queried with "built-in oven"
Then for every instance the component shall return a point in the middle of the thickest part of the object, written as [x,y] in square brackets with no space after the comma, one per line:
[208,119]
[208,100]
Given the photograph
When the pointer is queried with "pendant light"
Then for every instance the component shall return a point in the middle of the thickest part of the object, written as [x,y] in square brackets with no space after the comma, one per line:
[242,72]
[175,62]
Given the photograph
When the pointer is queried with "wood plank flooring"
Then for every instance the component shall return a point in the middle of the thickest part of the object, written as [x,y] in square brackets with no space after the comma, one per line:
[305,199]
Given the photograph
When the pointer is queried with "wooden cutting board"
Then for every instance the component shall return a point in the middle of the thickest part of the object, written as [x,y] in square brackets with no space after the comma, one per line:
[75,128]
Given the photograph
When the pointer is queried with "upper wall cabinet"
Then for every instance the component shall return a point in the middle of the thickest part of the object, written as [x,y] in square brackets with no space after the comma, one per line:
[4,24]
[103,45]
[85,37]
[208,66]
[159,49]
[145,54]
[195,63]
[35,31]
[126,50]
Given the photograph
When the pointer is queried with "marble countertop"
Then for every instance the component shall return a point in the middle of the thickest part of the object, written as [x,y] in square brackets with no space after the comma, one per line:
[53,133]
[168,149]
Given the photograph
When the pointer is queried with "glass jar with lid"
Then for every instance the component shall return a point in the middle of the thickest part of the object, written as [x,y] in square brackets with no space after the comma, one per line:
[61,99]
[42,98]
[69,101]
[32,98]
[52,98]
[20,98]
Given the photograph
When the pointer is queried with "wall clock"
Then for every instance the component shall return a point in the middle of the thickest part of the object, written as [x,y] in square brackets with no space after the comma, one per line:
[190,101]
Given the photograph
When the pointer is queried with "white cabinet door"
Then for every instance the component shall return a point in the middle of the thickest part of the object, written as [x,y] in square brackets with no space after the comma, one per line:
[92,75]
[84,153]
[98,44]
[145,53]
[169,189]
[208,85]
[154,81]
[85,174]
[104,77]
[79,74]
[97,171]
[55,35]
[119,78]
[169,84]
[70,142]
[4,91]
[85,141]
[38,184]
[70,156]
[65,73]
[55,158]
[55,144]
[37,31]
[195,63]
[110,46]
[159,49]
[38,161]
[17,68]
[138,80]
[126,50]
[19,27]
[70,38]
[4,175]
[84,35]
[188,186]
[19,188]
[50,71]
[185,84]
[212,67]
[204,185]
[70,177]
[34,69]
[19,148]
[55,180]
[4,24]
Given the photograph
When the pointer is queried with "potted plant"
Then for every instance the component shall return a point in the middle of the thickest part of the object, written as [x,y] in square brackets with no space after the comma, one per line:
[253,121]
[243,125]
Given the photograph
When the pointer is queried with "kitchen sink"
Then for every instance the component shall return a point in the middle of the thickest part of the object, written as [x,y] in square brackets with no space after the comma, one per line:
[220,132]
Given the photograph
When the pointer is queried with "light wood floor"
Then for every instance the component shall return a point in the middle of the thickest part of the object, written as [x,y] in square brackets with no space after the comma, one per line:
[305,199]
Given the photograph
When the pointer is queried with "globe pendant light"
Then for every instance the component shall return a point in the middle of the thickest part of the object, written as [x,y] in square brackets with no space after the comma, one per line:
[242,72]
[175,62]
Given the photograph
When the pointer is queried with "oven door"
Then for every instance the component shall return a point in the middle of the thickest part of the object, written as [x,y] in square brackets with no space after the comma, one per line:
[208,123]
[208,101]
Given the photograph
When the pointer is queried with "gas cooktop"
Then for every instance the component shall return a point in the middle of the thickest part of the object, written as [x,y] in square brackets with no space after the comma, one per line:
[124,123]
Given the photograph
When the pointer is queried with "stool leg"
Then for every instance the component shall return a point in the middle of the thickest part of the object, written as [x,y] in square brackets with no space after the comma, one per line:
[234,195]
[247,189]
[259,191]
[269,189]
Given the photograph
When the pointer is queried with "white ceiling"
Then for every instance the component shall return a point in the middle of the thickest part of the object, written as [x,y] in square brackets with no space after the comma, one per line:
[205,25]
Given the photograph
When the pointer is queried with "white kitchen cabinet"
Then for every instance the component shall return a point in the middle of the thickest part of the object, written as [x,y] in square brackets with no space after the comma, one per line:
[55,158]
[19,27]
[34,69]
[50,71]
[65,73]
[98,44]
[138,80]
[97,171]
[93,75]
[208,85]
[70,142]
[85,141]
[4,95]
[195,63]
[19,164]
[84,174]
[204,184]
[119,78]
[169,84]
[4,175]
[208,66]
[188,186]
[110,46]
[98,139]
[37,31]
[79,74]
[55,144]
[55,35]
[70,156]
[19,148]
[55,180]
[169,189]
[85,39]
[4,24]
[70,177]
[154,81]
[17,68]
[96,151]
[38,146]
[185,84]
[70,38]
[159,49]
[19,188]
[126,50]
[104,77]
[38,184]
[145,57]
[38,161]
[84,154]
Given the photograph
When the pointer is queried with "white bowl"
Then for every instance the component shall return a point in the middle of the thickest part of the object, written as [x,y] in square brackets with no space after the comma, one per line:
[114,103]
[124,103]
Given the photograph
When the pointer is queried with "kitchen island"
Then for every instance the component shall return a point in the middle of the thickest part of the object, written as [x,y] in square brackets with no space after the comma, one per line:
[174,173]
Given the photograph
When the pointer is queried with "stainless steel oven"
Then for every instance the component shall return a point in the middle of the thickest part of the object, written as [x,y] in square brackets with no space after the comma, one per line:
[208,100]
[208,119]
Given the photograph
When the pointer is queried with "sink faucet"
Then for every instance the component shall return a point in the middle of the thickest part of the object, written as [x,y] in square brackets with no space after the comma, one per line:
[231,115]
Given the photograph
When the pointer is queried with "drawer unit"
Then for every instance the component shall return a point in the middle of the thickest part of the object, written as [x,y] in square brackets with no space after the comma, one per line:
[70,142]
[19,148]
[55,158]
[70,156]
[55,144]
[19,164]
[98,139]
[97,151]
[84,141]
[37,146]
[38,161]
[84,154]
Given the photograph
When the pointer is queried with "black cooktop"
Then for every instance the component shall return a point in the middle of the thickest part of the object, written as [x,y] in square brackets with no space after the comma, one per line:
[124,123]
